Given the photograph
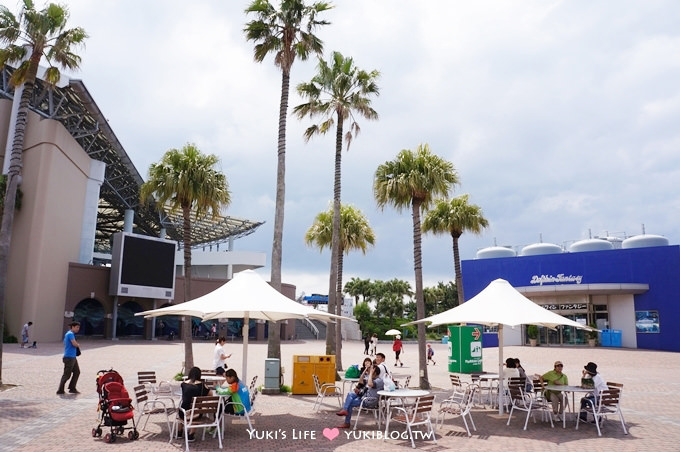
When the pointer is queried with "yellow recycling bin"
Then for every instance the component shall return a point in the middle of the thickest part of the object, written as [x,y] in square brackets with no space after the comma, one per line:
[305,366]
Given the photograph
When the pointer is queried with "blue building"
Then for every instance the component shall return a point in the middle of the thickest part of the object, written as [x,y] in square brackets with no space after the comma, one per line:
[633,290]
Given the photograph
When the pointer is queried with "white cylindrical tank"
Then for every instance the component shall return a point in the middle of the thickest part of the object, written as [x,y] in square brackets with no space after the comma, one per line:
[495,251]
[644,241]
[540,248]
[616,242]
[591,245]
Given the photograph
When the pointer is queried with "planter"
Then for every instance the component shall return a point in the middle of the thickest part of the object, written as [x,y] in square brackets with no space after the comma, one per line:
[592,342]
[533,342]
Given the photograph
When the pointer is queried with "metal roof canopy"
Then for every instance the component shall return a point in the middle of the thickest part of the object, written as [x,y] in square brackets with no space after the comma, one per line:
[76,110]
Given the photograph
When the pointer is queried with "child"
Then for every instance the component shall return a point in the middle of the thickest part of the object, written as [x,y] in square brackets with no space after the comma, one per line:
[430,354]
[239,400]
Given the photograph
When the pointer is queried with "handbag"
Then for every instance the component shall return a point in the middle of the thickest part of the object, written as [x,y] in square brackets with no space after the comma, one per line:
[77,351]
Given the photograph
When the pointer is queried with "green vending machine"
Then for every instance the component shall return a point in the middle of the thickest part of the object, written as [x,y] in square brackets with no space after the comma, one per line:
[465,349]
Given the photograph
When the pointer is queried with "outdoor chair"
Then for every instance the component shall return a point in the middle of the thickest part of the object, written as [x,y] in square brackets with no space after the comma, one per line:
[205,412]
[459,405]
[413,415]
[488,389]
[252,384]
[157,390]
[148,406]
[367,404]
[325,390]
[522,401]
[246,414]
[608,403]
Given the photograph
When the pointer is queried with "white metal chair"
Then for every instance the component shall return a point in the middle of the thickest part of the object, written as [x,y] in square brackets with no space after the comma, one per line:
[325,390]
[148,406]
[608,403]
[205,412]
[246,413]
[413,415]
[459,405]
[522,401]
[156,389]
[369,404]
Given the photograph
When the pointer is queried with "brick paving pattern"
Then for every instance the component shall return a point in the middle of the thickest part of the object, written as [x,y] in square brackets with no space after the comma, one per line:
[34,418]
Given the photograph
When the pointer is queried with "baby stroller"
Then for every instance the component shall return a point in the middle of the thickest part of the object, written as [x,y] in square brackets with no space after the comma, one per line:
[115,407]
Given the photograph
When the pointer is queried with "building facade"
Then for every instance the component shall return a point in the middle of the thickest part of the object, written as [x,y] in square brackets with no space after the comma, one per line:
[635,292]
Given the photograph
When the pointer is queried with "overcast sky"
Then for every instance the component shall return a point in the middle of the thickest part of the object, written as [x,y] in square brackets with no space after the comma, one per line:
[561,117]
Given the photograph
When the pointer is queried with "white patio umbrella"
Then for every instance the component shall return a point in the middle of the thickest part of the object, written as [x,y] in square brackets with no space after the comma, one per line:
[497,305]
[392,332]
[247,296]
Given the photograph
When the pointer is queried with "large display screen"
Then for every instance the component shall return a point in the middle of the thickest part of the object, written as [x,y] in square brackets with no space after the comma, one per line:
[142,266]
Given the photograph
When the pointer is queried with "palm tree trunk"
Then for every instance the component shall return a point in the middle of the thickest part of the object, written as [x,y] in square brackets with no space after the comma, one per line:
[332,342]
[338,311]
[274,339]
[13,180]
[420,299]
[456,265]
[186,321]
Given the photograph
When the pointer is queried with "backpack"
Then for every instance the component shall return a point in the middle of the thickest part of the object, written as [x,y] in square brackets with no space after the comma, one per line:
[353,372]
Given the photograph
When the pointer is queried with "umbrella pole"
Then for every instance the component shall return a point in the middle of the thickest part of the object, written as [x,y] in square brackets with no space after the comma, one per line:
[246,325]
[501,380]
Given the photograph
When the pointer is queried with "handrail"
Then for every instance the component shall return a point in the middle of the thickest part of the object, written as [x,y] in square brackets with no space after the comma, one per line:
[312,327]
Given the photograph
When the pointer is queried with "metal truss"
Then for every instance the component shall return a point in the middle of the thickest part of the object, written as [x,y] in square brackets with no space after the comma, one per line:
[76,110]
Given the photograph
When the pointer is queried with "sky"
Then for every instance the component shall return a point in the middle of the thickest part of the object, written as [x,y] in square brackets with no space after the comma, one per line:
[559,116]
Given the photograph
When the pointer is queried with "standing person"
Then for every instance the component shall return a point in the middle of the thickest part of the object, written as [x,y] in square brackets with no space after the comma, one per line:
[430,354]
[219,358]
[71,369]
[374,344]
[367,342]
[24,334]
[397,348]
[590,401]
[213,330]
[555,377]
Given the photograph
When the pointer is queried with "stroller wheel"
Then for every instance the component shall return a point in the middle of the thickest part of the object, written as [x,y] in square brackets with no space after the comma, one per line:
[109,438]
[113,437]
[99,431]
[136,434]
[94,432]
[121,430]
[131,435]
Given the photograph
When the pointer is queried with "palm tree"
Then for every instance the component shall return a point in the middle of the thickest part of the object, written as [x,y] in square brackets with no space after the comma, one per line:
[455,216]
[288,34]
[414,179]
[185,179]
[355,234]
[356,287]
[27,38]
[337,93]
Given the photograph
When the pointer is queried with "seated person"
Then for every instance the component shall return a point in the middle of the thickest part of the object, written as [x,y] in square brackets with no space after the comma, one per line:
[528,387]
[365,370]
[555,377]
[238,401]
[375,384]
[191,388]
[590,401]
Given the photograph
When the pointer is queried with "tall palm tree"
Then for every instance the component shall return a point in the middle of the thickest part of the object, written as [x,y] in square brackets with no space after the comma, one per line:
[337,93]
[288,34]
[358,286]
[26,39]
[355,234]
[455,217]
[186,179]
[413,179]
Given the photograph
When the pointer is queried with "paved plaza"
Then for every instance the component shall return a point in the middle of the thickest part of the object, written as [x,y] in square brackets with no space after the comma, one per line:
[34,418]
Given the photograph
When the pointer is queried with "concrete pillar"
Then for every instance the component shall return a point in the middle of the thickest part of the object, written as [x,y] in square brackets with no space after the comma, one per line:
[129,220]
[89,224]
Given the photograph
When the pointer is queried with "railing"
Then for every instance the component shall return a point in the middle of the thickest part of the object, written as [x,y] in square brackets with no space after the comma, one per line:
[312,327]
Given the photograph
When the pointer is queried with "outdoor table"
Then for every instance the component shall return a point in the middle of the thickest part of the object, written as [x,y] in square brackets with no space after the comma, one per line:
[400,394]
[573,390]
[349,380]
[489,378]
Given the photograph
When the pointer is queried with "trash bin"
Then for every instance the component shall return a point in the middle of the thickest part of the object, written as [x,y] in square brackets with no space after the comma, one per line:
[305,366]
[616,338]
[606,338]
[445,339]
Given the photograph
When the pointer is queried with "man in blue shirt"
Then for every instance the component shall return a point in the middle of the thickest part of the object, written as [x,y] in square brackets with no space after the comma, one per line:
[71,369]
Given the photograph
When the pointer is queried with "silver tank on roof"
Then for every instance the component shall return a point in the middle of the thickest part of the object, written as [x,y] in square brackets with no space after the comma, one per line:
[644,241]
[591,245]
[495,251]
[540,248]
